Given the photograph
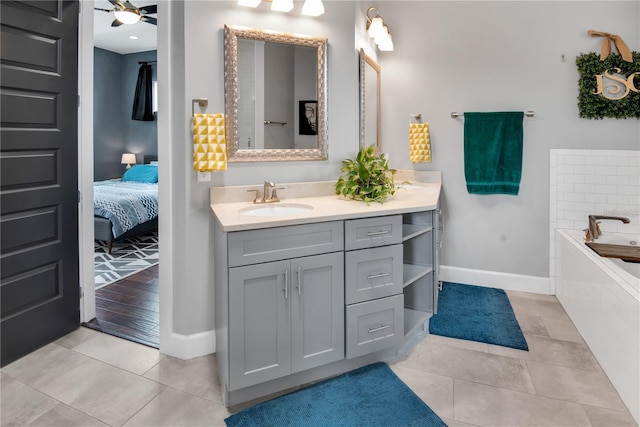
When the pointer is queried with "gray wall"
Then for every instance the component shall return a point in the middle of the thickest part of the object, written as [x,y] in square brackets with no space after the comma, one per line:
[108,133]
[493,56]
[115,79]
[450,56]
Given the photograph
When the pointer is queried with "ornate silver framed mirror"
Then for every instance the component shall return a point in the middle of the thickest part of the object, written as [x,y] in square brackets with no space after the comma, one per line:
[275,95]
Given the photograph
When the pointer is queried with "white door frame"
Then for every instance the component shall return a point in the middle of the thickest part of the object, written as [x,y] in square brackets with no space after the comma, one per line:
[85,161]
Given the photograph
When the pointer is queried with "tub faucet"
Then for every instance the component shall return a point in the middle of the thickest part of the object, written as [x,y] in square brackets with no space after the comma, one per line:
[593,232]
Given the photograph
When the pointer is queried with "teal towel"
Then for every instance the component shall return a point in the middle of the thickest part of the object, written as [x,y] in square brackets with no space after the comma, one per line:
[493,152]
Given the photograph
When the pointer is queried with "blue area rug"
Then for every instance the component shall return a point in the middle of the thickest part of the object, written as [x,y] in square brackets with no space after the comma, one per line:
[370,396]
[478,314]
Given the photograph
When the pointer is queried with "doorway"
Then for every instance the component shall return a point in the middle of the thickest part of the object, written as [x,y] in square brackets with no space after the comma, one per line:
[125,302]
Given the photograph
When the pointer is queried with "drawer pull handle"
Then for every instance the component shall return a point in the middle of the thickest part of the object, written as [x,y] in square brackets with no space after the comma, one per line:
[377,233]
[375,276]
[379,328]
[286,283]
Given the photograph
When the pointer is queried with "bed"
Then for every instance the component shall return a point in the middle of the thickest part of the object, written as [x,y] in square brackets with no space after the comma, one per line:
[128,206]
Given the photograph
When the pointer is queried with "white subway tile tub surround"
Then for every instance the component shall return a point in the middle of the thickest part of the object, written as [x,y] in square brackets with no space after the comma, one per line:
[586,182]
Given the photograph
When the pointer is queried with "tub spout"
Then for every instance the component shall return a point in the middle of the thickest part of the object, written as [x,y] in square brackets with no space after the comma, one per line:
[593,232]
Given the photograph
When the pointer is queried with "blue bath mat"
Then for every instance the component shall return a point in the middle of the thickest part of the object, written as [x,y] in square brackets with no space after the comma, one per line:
[369,396]
[478,314]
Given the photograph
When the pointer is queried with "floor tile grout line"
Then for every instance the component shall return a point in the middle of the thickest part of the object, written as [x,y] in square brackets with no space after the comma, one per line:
[162,389]
[115,366]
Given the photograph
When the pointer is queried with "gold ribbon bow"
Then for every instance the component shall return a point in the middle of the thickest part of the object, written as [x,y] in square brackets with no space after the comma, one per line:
[606,45]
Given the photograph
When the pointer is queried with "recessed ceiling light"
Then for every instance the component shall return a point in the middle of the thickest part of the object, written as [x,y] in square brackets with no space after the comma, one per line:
[133,37]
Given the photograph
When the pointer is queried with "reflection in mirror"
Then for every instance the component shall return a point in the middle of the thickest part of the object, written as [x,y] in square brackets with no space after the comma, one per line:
[370,111]
[275,96]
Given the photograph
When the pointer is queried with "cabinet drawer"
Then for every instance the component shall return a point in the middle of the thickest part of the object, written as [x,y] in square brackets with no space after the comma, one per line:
[373,273]
[272,244]
[371,232]
[374,325]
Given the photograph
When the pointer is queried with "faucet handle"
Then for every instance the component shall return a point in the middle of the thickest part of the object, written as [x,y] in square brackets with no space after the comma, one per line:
[255,200]
[274,194]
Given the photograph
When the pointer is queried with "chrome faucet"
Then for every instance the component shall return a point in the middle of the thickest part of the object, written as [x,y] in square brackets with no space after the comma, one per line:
[593,232]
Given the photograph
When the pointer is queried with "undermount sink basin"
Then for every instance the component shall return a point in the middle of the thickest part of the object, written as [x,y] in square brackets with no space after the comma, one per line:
[278,209]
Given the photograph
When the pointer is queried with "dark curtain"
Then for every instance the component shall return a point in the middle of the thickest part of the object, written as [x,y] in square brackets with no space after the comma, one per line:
[143,98]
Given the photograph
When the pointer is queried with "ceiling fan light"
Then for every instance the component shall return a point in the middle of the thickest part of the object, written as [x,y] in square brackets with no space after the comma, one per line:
[313,8]
[249,3]
[127,16]
[282,5]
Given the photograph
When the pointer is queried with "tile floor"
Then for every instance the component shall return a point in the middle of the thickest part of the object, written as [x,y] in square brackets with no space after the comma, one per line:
[92,379]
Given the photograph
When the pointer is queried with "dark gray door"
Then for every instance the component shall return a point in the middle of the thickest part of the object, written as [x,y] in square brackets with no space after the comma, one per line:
[39,174]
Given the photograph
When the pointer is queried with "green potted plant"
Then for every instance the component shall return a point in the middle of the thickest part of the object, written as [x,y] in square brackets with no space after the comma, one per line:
[366,178]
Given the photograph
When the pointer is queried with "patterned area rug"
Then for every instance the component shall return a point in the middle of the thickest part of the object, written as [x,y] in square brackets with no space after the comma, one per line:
[129,257]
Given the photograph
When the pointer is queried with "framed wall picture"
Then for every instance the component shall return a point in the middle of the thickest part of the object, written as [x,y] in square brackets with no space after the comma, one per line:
[308,117]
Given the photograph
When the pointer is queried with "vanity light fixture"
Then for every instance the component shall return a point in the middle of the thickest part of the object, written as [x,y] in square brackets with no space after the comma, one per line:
[313,8]
[310,7]
[249,3]
[282,5]
[378,30]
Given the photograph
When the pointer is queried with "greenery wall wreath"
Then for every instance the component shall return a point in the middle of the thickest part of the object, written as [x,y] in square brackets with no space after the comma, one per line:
[592,105]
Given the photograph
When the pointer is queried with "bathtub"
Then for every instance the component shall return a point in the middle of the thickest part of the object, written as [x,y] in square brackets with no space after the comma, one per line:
[602,298]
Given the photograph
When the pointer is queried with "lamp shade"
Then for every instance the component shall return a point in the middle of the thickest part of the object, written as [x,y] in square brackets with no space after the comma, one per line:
[127,16]
[386,44]
[282,5]
[376,27]
[249,3]
[313,8]
[128,159]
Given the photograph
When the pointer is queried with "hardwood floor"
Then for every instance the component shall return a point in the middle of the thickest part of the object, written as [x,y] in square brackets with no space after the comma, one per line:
[129,308]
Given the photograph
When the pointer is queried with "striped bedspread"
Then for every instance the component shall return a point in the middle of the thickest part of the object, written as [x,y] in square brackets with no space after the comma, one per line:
[125,204]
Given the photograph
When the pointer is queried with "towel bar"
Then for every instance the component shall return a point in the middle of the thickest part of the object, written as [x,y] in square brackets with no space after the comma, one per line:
[202,102]
[271,122]
[529,113]
[416,117]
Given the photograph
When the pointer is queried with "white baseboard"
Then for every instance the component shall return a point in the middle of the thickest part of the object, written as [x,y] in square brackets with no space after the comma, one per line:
[189,346]
[494,279]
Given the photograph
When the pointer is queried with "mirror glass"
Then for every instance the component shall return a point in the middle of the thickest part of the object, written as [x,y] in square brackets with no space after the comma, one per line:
[275,95]
[370,111]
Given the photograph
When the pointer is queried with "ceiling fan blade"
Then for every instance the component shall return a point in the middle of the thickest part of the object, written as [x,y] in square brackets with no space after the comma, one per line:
[103,10]
[149,20]
[151,9]
[116,23]
[128,5]
[113,2]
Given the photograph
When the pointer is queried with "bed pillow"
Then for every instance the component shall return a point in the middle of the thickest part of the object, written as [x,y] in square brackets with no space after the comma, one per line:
[141,173]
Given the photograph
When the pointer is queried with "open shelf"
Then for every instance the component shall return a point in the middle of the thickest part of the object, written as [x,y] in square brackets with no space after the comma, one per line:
[414,319]
[409,231]
[411,273]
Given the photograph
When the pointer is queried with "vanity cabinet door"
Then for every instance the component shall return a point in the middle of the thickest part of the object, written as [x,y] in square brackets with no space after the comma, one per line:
[259,323]
[317,310]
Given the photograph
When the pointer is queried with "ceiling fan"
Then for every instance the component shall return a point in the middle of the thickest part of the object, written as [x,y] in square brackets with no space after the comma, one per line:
[126,13]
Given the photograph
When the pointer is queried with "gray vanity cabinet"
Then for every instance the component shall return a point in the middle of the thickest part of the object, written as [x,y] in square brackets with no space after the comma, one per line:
[285,316]
[302,302]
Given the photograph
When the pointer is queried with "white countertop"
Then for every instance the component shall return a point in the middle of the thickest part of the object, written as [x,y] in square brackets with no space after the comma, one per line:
[226,203]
